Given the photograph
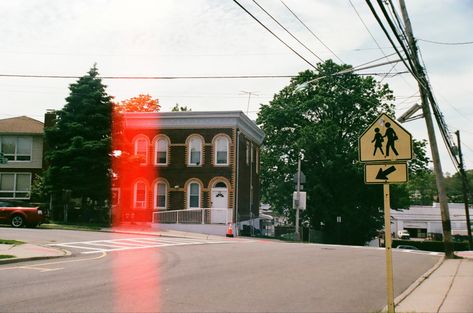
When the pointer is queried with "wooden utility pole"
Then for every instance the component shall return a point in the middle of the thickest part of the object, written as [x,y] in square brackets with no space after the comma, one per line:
[440,180]
[465,190]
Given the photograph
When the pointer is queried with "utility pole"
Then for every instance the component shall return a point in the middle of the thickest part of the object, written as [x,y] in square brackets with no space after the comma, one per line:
[440,180]
[465,190]
[298,197]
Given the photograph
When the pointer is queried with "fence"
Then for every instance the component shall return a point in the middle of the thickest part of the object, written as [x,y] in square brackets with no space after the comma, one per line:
[194,216]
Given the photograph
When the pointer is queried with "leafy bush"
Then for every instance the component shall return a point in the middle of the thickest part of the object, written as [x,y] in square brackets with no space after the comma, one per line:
[427,245]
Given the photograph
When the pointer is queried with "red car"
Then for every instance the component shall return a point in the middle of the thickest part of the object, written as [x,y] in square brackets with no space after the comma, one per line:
[19,214]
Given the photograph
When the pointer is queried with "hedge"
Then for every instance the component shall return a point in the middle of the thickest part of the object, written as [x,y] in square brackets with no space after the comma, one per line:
[428,245]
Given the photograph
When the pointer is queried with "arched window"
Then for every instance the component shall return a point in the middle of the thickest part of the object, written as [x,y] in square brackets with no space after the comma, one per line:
[193,195]
[221,147]
[161,147]
[160,191]
[141,149]
[195,151]
[140,195]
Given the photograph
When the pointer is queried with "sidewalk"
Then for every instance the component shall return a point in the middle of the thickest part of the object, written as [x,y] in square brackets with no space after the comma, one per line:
[449,288]
[29,252]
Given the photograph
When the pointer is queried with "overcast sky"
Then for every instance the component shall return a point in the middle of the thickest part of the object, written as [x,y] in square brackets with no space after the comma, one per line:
[216,38]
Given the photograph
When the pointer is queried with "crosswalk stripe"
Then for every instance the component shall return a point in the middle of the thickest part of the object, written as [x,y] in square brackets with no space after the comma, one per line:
[99,246]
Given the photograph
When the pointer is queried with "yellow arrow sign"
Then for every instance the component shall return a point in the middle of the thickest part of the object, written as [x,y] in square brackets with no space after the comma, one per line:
[386,173]
[385,140]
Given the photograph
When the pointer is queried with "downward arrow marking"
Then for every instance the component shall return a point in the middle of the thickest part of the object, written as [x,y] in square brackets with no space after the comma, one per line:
[384,174]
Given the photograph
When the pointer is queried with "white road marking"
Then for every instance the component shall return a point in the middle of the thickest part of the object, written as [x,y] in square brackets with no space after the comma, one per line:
[111,245]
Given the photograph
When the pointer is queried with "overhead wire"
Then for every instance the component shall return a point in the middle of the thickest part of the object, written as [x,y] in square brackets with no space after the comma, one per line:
[374,39]
[446,43]
[151,77]
[291,34]
[313,34]
[271,32]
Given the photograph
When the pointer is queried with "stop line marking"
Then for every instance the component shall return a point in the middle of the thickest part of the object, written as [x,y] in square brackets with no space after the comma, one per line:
[100,246]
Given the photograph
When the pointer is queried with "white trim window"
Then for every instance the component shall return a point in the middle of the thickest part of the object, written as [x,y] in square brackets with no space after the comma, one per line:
[17,148]
[141,149]
[140,193]
[195,151]
[161,147]
[160,199]
[15,185]
[221,150]
[193,195]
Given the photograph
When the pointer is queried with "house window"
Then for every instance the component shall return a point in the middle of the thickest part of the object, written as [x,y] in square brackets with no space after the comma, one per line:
[16,148]
[140,195]
[141,149]
[15,185]
[161,147]
[161,195]
[221,150]
[193,195]
[195,151]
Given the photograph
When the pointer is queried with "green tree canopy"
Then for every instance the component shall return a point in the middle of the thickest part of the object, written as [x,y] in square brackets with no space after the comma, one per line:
[323,122]
[80,141]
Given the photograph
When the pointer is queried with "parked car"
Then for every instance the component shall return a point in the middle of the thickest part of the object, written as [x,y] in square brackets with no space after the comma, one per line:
[403,234]
[19,214]
[407,247]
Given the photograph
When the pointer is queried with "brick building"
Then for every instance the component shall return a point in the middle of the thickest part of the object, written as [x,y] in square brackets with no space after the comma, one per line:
[189,162]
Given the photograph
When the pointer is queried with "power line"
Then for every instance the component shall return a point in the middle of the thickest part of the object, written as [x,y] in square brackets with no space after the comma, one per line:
[374,39]
[151,77]
[282,26]
[446,43]
[265,27]
[412,69]
[311,31]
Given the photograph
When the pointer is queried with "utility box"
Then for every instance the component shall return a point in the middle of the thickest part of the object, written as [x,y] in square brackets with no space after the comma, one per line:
[302,201]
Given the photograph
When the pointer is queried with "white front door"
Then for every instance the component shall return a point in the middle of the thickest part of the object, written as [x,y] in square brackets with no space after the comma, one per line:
[220,204]
[219,198]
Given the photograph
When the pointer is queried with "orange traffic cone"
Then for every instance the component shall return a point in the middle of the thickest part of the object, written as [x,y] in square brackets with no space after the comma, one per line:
[229,231]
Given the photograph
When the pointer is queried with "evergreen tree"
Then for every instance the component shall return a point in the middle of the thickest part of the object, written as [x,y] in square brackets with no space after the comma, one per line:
[80,144]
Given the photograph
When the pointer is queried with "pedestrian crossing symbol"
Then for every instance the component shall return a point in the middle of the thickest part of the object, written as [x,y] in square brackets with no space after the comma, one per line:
[385,140]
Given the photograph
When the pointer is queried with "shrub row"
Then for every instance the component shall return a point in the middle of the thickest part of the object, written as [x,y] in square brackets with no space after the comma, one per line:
[427,245]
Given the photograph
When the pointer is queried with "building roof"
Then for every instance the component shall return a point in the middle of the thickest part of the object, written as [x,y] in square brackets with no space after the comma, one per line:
[21,125]
[195,119]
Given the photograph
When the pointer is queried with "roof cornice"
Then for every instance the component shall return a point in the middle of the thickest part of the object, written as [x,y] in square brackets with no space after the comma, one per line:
[195,119]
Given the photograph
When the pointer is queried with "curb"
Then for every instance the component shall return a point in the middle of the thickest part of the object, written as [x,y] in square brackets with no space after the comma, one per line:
[66,253]
[415,284]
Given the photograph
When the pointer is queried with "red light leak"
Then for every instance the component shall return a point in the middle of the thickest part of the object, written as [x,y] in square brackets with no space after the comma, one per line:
[135,272]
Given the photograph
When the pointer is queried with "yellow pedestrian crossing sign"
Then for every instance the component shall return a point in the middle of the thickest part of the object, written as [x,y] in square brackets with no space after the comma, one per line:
[385,140]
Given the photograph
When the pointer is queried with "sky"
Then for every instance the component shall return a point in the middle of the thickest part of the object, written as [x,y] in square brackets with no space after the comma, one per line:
[217,38]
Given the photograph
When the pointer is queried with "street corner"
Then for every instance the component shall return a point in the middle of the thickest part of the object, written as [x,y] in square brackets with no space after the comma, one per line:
[29,252]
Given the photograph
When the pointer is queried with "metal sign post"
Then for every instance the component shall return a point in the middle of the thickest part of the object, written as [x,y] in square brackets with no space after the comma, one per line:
[388,247]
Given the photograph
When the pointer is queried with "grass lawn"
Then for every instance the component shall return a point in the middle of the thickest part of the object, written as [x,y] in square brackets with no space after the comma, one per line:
[10,242]
[56,225]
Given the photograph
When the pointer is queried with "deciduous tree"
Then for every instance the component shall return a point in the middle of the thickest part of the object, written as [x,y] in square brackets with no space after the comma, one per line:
[323,123]
[140,103]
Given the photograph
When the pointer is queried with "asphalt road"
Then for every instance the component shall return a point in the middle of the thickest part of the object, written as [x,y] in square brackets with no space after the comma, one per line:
[185,276]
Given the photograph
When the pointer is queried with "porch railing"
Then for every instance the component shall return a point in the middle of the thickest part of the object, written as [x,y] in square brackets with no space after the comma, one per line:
[194,216]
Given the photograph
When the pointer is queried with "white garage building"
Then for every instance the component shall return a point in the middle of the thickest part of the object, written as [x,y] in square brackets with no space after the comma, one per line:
[421,221]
